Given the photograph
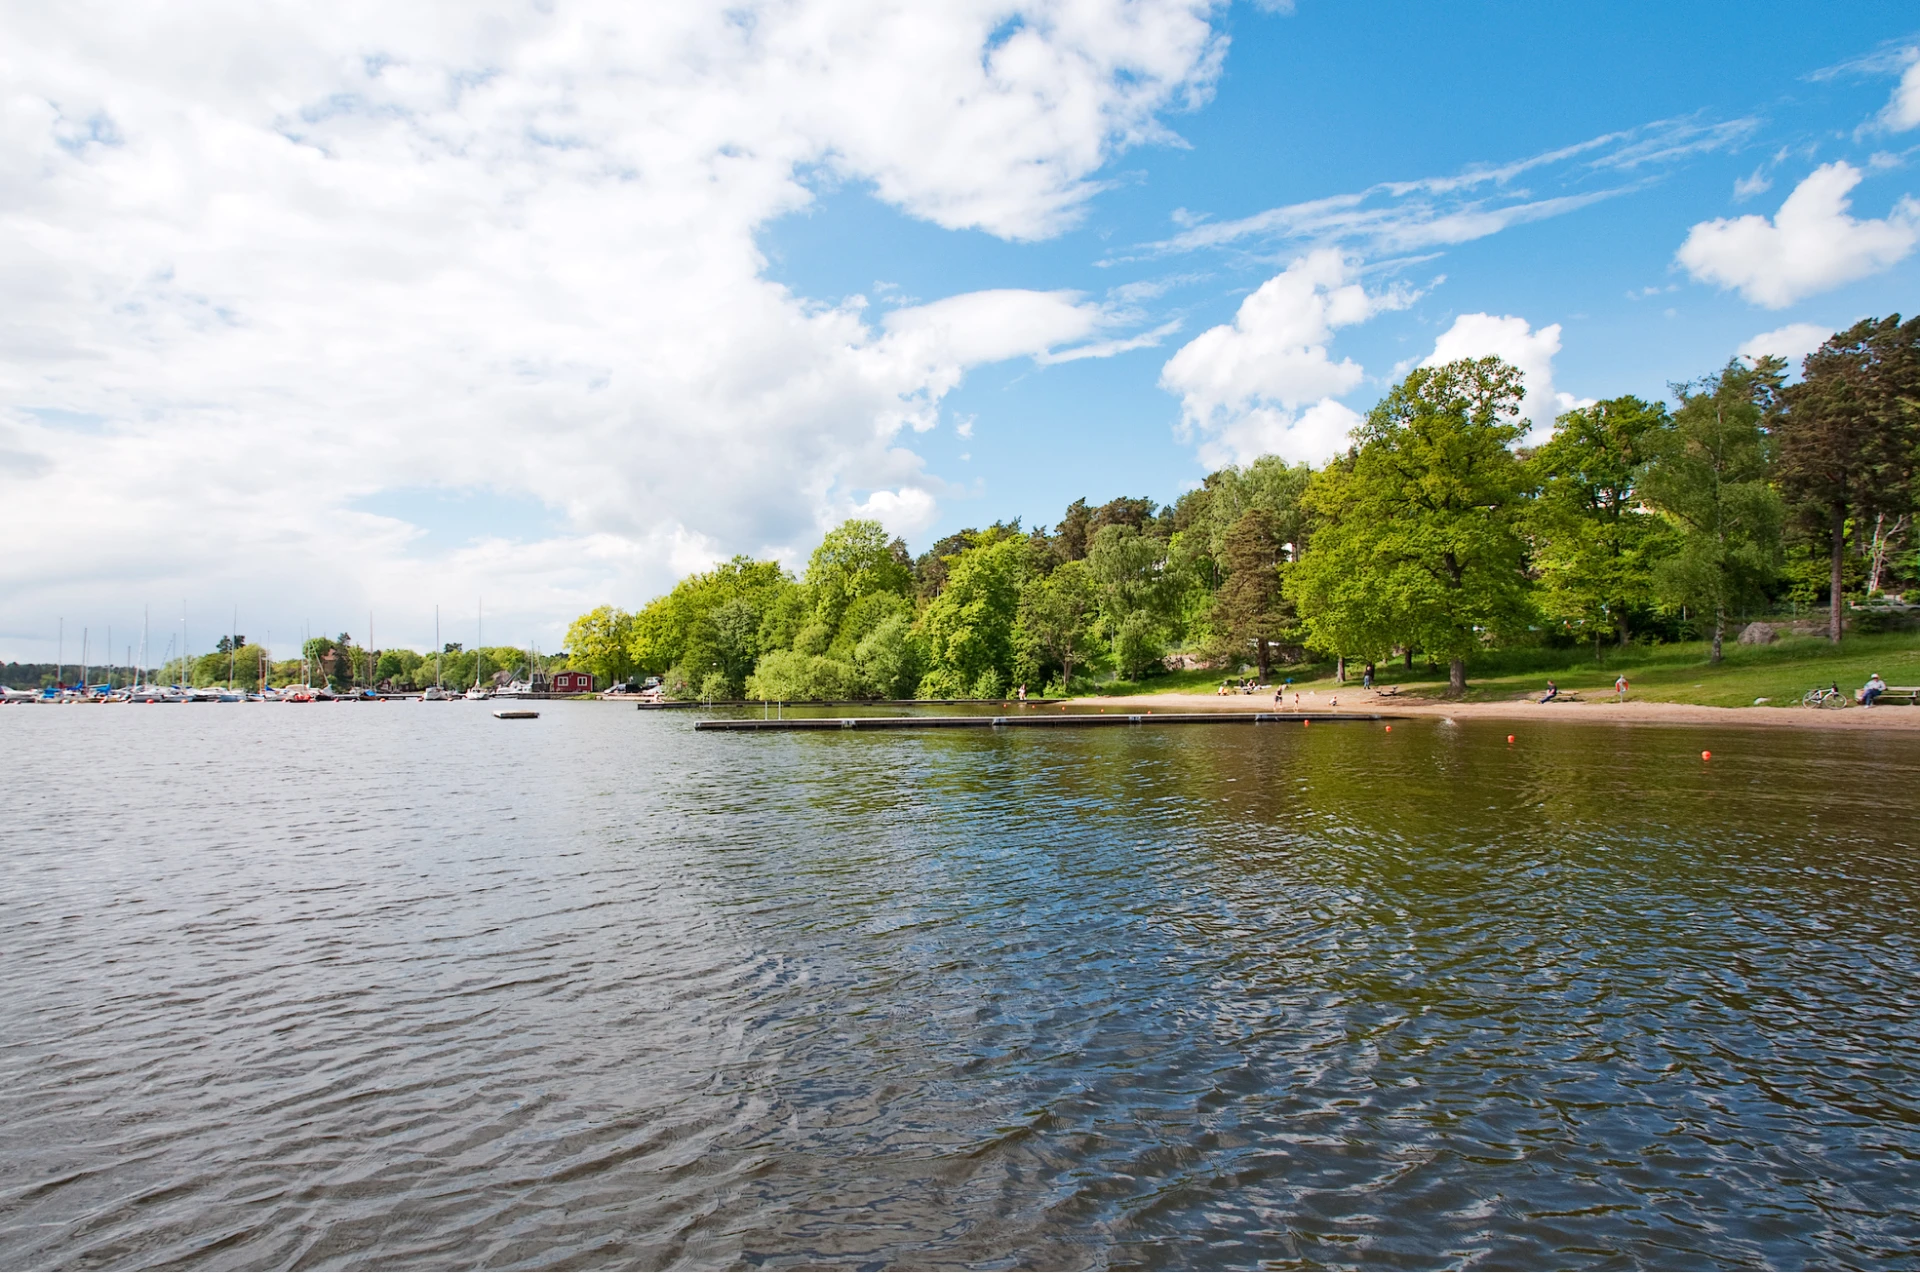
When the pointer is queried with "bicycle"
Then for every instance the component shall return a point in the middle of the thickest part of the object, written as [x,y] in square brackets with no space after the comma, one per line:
[1824,697]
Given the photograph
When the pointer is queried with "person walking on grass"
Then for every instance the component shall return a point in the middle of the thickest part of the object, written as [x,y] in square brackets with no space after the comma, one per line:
[1620,689]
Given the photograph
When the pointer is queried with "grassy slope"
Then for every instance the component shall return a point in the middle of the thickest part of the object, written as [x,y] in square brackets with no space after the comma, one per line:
[1678,672]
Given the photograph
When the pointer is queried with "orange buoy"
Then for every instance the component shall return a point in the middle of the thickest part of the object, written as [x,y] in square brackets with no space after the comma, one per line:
[1705,755]
[1389,729]
[1509,739]
[1306,721]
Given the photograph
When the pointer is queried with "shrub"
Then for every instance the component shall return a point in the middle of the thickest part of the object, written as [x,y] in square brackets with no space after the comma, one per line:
[791,676]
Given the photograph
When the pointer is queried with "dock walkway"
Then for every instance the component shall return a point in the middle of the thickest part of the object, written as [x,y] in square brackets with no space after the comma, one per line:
[984,722]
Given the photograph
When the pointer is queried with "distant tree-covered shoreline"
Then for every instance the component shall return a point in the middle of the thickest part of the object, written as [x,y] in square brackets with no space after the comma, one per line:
[1435,536]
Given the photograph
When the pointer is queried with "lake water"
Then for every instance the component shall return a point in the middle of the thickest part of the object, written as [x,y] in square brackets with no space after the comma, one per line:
[405,986]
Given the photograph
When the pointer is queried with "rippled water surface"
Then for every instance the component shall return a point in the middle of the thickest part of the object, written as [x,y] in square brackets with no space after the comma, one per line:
[403,985]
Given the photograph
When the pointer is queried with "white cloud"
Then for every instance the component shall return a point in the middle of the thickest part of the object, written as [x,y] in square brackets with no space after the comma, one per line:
[1903,111]
[1792,342]
[1512,339]
[1107,349]
[1406,216]
[906,512]
[1811,245]
[1755,183]
[291,258]
[932,346]
[1242,385]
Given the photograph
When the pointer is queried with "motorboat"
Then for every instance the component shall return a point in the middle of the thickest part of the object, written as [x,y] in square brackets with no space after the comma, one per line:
[10,696]
[476,692]
[434,693]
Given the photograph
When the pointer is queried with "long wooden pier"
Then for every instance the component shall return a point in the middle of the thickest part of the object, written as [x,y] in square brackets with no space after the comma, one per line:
[1057,720]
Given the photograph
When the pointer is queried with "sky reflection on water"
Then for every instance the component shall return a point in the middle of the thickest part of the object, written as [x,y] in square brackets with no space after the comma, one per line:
[407,986]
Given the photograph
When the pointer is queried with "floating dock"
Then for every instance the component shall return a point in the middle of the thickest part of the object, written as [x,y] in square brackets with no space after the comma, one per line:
[984,722]
[1032,701]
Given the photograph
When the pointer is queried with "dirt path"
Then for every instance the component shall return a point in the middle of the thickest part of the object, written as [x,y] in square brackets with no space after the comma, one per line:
[1888,717]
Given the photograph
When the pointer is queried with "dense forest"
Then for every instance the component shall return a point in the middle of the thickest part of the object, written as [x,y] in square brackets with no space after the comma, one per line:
[1433,537]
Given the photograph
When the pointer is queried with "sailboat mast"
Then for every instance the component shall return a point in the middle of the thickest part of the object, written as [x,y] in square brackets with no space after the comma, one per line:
[436,644]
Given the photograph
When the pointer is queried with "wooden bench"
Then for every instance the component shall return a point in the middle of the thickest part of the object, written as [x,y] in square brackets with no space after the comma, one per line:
[1902,694]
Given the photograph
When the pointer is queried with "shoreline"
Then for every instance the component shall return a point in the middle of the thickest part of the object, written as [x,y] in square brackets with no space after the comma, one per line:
[1891,717]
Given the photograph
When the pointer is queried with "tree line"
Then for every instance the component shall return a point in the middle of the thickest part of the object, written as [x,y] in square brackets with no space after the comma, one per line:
[1435,536]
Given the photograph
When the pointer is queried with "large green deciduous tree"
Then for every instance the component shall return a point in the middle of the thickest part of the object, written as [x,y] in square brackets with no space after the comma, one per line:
[1709,477]
[856,559]
[891,659]
[1846,443]
[1594,546]
[1057,619]
[1416,536]
[601,642]
[969,627]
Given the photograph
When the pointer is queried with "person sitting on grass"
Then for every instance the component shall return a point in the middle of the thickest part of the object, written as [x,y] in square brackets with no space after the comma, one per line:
[1552,693]
[1872,691]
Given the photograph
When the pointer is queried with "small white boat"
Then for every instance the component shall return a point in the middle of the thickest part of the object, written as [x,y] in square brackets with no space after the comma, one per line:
[515,714]
[435,693]
[476,693]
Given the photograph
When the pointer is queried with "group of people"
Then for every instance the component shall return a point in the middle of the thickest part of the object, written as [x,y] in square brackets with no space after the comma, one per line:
[1619,690]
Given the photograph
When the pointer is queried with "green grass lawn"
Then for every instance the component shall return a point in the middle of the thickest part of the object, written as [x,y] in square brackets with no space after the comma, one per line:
[1677,672]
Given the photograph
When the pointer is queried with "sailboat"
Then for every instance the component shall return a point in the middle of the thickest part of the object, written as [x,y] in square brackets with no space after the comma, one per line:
[476,691]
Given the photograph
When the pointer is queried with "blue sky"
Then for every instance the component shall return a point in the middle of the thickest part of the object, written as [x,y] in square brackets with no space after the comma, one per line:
[316,315]
[1314,104]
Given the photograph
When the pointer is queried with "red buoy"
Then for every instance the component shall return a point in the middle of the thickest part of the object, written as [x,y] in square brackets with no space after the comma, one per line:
[1705,755]
[1509,739]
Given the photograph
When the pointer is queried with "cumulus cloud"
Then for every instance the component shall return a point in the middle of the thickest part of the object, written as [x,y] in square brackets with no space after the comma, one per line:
[1475,336]
[1811,245]
[1243,385]
[289,259]
[1792,343]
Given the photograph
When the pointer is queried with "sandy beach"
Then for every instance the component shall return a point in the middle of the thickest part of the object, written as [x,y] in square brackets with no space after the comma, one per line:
[1896,717]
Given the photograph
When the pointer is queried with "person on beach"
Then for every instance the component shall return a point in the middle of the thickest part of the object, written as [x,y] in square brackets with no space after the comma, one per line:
[1023,692]
[1620,689]
[1872,691]
[1552,692]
